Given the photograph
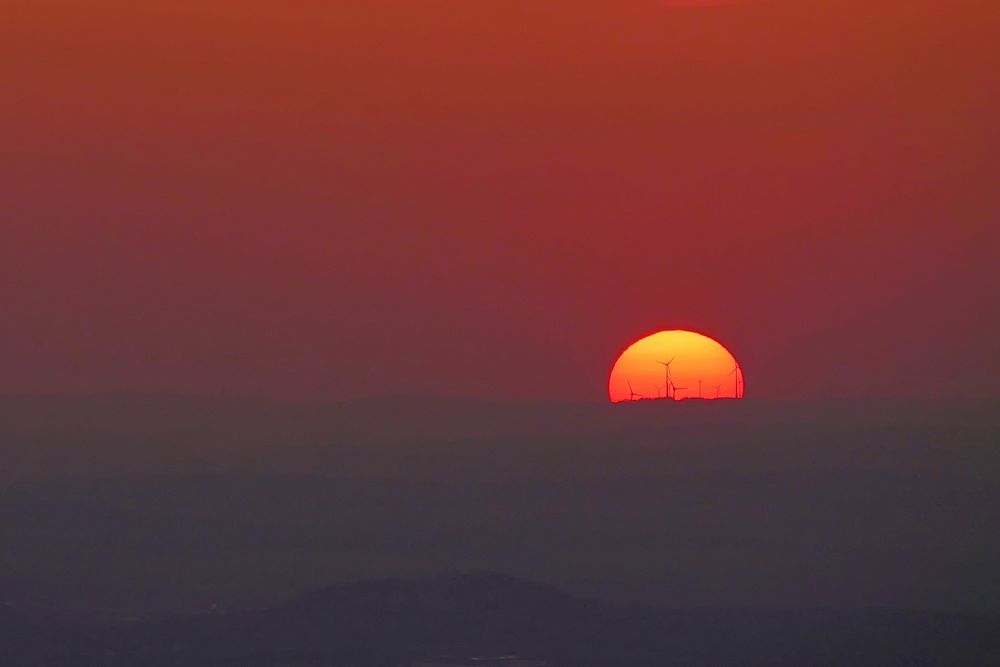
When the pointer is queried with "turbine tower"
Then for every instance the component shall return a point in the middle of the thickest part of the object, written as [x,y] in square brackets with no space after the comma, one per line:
[632,394]
[737,371]
[718,388]
[666,366]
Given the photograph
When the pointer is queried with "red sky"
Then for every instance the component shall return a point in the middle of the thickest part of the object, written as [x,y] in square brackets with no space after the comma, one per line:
[493,198]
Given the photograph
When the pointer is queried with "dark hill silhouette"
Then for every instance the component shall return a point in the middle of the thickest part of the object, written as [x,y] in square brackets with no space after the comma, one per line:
[454,618]
[383,622]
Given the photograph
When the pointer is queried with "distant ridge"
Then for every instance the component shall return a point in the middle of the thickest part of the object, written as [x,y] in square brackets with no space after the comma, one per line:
[467,618]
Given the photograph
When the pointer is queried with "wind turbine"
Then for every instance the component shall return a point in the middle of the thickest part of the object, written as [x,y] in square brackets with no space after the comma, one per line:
[659,389]
[718,388]
[677,389]
[699,388]
[737,371]
[632,394]
[674,388]
[666,365]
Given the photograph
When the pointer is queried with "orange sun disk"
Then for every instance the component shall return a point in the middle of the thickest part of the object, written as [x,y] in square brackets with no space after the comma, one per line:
[700,367]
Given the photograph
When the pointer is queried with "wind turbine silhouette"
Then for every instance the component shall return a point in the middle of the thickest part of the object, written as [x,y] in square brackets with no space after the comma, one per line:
[737,371]
[718,388]
[658,390]
[666,366]
[699,388]
[632,394]
[677,389]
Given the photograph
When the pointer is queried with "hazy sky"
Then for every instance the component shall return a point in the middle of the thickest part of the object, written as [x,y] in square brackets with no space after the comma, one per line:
[493,198]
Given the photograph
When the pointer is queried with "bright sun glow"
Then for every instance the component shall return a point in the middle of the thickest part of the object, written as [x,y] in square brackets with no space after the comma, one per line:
[699,367]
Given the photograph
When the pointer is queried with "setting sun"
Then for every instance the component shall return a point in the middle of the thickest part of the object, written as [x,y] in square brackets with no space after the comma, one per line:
[675,365]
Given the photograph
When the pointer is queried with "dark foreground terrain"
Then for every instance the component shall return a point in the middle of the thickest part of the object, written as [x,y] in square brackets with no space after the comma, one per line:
[118,510]
[485,619]
[122,507]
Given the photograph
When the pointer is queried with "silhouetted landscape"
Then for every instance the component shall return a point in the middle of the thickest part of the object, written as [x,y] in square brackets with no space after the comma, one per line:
[184,530]
[488,619]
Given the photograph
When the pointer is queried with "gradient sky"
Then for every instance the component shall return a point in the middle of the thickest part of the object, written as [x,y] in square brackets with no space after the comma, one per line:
[494,198]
